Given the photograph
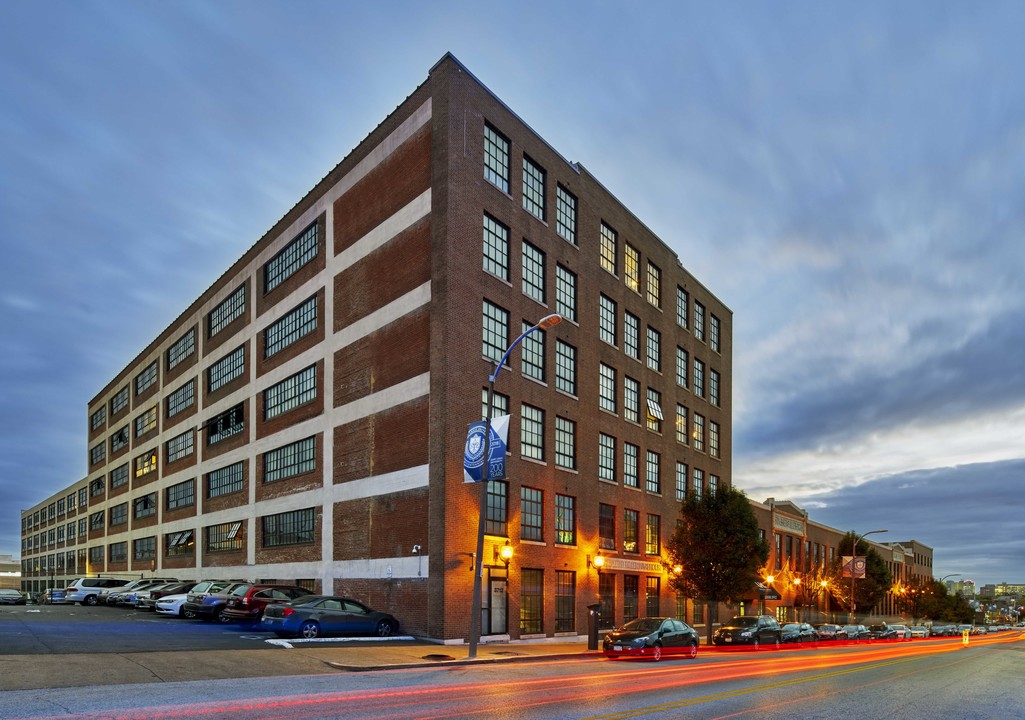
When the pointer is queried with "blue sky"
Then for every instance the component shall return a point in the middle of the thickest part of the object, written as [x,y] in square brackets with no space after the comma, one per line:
[849,178]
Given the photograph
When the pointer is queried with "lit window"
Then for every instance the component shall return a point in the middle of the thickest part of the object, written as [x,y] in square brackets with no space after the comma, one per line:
[632,267]
[565,520]
[655,417]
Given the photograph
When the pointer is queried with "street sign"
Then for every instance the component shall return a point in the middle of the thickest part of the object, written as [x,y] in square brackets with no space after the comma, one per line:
[473,455]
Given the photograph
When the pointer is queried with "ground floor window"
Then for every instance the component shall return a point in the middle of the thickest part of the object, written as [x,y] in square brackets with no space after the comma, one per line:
[652,597]
[565,600]
[630,597]
[607,600]
[532,601]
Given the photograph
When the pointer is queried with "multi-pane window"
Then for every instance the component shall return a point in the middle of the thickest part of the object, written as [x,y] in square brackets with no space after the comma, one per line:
[532,432]
[565,443]
[296,527]
[119,514]
[565,367]
[532,353]
[181,399]
[182,349]
[681,366]
[653,535]
[178,543]
[631,531]
[713,485]
[96,557]
[298,323]
[290,393]
[682,305]
[566,214]
[293,256]
[533,272]
[146,379]
[653,472]
[607,249]
[654,349]
[119,552]
[606,387]
[231,308]
[97,419]
[229,367]
[144,506]
[681,425]
[291,460]
[496,248]
[146,422]
[496,331]
[145,463]
[119,439]
[565,520]
[699,433]
[713,438]
[651,598]
[632,267]
[631,477]
[607,319]
[697,483]
[566,293]
[95,490]
[654,285]
[606,526]
[699,321]
[713,387]
[534,178]
[631,335]
[606,457]
[496,158]
[181,446]
[714,331]
[120,401]
[631,400]
[699,378]
[144,548]
[532,601]
[225,537]
[655,416]
[681,481]
[83,498]
[531,514]
[226,480]
[181,494]
[565,601]
[499,404]
[631,595]
[98,453]
[229,423]
[497,514]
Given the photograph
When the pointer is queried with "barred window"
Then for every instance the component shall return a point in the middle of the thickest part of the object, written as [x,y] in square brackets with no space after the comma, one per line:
[178,543]
[682,304]
[144,548]
[699,321]
[565,443]
[653,535]
[120,401]
[631,335]
[606,457]
[699,378]
[606,526]
[289,528]
[225,537]
[146,379]
[566,293]
[497,514]
[566,214]
[146,463]
[713,333]
[180,446]
[146,422]
[290,393]
[296,324]
[531,514]
[225,480]
[229,367]
[119,476]
[631,400]
[181,495]
[532,601]
[98,453]
[496,248]
[713,439]
[181,399]
[98,418]
[496,158]
[532,353]
[632,267]
[653,473]
[565,520]
[230,309]
[291,460]
[681,481]
[607,319]
[293,256]
[229,423]
[119,552]
[144,506]
[182,349]
[565,367]
[534,179]
[713,387]
[496,331]
[631,458]
[532,432]
[655,416]
[565,601]
[631,531]
[654,349]
[654,286]
[96,520]
[606,387]
[607,249]
[681,366]
[119,439]
[533,272]
[681,424]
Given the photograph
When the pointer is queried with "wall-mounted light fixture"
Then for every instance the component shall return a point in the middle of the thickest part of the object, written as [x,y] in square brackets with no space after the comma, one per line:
[597,562]
[505,554]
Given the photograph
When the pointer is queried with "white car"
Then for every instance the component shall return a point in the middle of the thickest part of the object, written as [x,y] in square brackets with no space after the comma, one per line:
[903,631]
[174,605]
[919,631]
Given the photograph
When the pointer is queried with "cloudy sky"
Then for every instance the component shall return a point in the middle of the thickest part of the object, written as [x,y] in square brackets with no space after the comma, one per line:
[849,178]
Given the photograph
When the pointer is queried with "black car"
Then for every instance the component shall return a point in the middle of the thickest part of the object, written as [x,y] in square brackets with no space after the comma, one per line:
[857,633]
[829,631]
[799,633]
[755,630]
[311,616]
[881,631]
[652,637]
[11,597]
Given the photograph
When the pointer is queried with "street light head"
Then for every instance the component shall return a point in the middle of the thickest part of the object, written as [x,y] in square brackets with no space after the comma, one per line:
[549,321]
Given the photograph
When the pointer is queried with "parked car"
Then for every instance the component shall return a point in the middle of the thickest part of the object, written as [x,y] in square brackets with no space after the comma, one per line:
[12,597]
[881,631]
[652,637]
[856,633]
[86,591]
[207,603]
[311,616]
[246,602]
[147,599]
[901,632]
[799,633]
[829,631]
[174,605]
[125,595]
[919,631]
[50,596]
[753,630]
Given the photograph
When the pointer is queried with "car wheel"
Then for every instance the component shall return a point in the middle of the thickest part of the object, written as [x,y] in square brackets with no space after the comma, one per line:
[656,652]
[384,629]
[309,630]
[692,650]
[776,644]
[220,617]
[188,614]
[91,600]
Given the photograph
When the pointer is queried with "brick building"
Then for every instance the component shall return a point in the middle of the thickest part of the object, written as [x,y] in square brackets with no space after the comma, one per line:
[305,418]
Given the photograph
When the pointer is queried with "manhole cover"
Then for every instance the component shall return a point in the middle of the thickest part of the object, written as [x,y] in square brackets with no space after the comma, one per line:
[437,657]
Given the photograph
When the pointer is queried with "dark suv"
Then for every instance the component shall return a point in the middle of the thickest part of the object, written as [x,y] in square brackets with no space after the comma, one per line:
[754,630]
[246,602]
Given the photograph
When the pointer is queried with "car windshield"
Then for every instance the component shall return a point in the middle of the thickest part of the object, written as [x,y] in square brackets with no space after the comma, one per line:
[744,621]
[849,628]
[791,626]
[645,625]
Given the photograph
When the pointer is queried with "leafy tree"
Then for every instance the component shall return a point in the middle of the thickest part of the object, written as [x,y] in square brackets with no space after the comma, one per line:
[718,549]
[869,590]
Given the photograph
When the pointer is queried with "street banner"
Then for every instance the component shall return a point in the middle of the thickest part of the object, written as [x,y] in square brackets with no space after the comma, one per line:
[473,455]
[855,564]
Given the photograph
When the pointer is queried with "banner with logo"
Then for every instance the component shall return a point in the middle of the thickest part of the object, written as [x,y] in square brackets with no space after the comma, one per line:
[473,455]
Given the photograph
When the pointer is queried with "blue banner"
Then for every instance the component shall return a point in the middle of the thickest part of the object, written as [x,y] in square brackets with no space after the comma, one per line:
[473,455]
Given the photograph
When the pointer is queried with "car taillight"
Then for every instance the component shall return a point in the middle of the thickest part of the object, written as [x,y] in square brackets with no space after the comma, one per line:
[287,611]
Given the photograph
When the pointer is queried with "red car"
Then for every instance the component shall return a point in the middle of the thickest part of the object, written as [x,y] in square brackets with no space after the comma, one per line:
[246,602]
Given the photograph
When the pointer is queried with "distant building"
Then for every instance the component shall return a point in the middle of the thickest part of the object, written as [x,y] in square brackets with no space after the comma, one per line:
[10,573]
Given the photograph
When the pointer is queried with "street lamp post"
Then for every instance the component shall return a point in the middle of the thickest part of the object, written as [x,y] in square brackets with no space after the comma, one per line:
[854,554]
[475,629]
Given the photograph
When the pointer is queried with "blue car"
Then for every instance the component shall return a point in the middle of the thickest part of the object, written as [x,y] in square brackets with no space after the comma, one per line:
[312,616]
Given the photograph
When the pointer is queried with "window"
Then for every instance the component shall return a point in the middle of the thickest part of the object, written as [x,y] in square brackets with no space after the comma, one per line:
[607,249]
[682,303]
[146,379]
[182,349]
[631,531]
[499,404]
[654,349]
[652,595]
[119,514]
[298,252]
[653,473]
[713,333]
[146,422]
[144,506]
[534,178]
[298,323]
[229,367]
[496,332]
[496,158]
[565,520]
[82,499]
[225,537]
[681,366]
[632,267]
[178,543]
[681,481]
[181,495]
[144,548]
[606,387]
[228,423]
[630,597]
[699,378]
[291,460]
[496,248]
[606,457]
[289,528]
[119,402]
[119,439]
[231,308]
[565,443]
[631,400]
[565,601]
[290,393]
[713,439]
[682,436]
[119,552]
[497,517]
[699,321]
[699,433]
[226,480]
[532,432]
[60,507]
[713,387]
[71,502]
[655,417]
[566,214]
[98,453]
[532,353]
[181,399]
[713,485]
[531,514]
[98,418]
[532,583]
[653,535]
[631,453]
[146,463]
[698,483]
[565,368]
[654,287]
[566,293]
[631,335]
[606,527]
[96,557]
[533,272]
[607,319]
[181,446]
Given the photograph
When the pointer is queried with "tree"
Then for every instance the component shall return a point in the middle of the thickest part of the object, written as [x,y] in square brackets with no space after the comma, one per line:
[869,590]
[717,548]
